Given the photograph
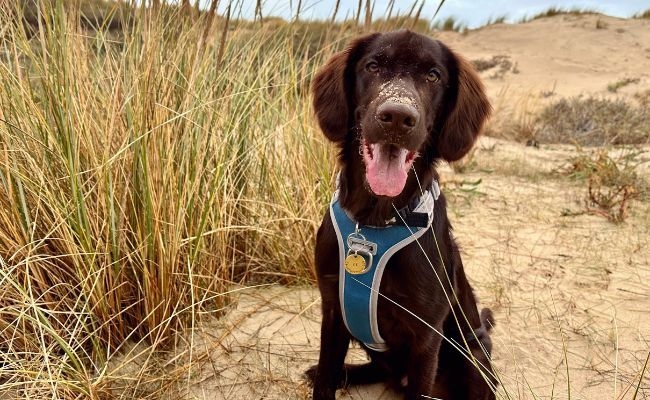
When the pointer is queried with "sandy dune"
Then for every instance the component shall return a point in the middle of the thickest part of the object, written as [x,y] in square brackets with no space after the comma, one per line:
[566,55]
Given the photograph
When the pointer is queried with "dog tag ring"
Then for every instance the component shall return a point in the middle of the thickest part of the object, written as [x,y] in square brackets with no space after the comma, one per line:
[360,252]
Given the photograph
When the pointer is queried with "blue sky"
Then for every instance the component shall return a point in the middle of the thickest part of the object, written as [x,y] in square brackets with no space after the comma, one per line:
[473,13]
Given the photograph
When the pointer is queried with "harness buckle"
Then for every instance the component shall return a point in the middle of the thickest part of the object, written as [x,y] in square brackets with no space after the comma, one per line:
[360,253]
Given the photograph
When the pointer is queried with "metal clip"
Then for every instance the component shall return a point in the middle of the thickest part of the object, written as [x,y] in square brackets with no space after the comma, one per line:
[358,246]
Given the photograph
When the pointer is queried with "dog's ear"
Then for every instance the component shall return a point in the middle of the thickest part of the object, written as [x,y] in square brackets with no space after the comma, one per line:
[471,108]
[332,87]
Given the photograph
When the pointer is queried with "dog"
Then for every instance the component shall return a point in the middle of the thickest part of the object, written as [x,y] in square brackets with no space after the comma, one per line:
[396,104]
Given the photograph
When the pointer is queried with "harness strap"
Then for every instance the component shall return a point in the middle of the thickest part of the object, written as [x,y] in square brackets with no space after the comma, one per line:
[407,215]
[408,218]
[359,290]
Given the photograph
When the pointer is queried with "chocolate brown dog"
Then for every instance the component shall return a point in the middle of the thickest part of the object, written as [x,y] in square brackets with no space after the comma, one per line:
[396,104]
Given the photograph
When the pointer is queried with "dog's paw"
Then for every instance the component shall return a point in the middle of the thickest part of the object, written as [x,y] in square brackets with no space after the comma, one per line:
[310,374]
[487,319]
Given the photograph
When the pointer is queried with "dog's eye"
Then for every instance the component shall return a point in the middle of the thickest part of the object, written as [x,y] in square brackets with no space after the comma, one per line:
[433,75]
[372,67]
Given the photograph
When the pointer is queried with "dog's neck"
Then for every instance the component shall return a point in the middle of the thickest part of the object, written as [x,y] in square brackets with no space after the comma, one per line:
[368,209]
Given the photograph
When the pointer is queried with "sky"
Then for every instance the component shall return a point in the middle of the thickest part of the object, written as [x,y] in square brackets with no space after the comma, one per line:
[472,13]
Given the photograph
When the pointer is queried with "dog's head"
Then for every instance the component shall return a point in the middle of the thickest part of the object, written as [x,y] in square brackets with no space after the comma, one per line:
[397,97]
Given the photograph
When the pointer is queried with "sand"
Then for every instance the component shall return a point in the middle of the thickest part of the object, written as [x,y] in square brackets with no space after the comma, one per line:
[563,56]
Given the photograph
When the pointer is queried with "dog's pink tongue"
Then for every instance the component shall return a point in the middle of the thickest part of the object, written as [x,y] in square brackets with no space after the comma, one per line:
[386,170]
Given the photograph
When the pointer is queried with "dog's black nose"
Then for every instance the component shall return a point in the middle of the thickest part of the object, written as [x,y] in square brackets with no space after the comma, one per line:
[399,117]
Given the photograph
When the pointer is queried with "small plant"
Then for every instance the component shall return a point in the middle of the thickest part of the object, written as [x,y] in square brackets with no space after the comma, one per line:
[504,66]
[612,202]
[611,183]
[449,24]
[643,14]
[553,11]
[501,61]
[515,68]
[613,87]
[643,98]
[484,65]
[548,93]
[463,190]
[496,20]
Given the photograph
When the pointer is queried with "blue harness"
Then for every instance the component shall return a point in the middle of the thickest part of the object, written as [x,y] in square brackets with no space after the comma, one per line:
[364,252]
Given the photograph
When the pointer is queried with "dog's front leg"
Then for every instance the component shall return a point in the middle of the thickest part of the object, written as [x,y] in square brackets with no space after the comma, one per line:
[423,366]
[334,342]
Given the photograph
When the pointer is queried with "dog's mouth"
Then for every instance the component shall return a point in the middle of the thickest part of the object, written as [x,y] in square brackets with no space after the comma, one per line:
[387,167]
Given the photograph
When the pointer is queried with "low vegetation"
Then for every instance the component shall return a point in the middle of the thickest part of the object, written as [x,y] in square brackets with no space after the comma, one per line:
[554,11]
[501,61]
[590,121]
[613,87]
[612,182]
[643,98]
[643,14]
[449,24]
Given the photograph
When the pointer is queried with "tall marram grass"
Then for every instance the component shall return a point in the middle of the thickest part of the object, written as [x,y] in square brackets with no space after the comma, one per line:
[142,173]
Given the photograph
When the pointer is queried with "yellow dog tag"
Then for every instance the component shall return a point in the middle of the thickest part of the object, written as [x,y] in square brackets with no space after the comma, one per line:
[355,264]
